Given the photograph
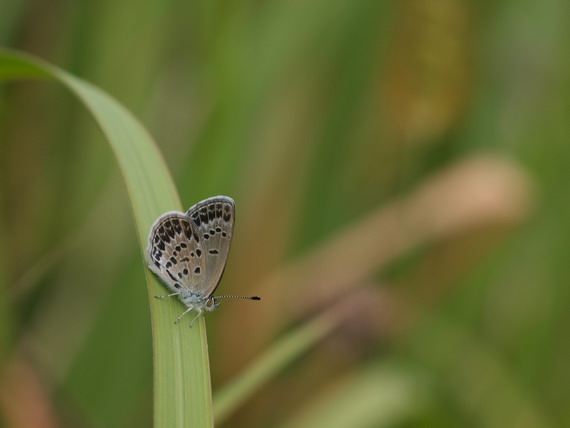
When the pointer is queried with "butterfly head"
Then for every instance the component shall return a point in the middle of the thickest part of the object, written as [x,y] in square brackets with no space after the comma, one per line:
[212,303]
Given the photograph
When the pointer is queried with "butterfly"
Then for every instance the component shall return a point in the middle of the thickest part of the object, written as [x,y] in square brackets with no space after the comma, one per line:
[188,252]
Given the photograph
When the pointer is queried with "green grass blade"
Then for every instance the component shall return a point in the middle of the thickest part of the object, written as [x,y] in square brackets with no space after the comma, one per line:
[281,354]
[273,361]
[182,391]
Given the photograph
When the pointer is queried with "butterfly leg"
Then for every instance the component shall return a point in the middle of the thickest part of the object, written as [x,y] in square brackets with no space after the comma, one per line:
[200,312]
[164,297]
[183,313]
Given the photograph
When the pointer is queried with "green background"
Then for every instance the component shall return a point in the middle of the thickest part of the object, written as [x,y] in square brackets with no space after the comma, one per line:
[398,167]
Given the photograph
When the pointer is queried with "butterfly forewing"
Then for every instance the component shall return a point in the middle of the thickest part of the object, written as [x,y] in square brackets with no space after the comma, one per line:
[174,252]
[213,220]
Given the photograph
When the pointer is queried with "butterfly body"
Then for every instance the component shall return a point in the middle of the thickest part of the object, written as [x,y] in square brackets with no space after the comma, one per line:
[188,251]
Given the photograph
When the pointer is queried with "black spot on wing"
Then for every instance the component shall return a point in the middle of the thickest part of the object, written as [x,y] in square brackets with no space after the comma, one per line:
[187,230]
[177,226]
[169,228]
[163,235]
[196,219]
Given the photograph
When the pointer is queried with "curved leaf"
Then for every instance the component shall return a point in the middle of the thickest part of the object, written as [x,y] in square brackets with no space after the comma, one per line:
[182,390]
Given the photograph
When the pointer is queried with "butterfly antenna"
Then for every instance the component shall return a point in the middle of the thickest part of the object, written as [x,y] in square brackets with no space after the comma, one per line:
[239,297]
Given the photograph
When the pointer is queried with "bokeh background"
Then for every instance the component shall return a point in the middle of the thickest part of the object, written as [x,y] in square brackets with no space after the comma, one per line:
[398,166]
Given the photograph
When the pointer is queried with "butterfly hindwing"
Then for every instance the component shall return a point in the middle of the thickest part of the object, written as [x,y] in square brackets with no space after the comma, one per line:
[174,252]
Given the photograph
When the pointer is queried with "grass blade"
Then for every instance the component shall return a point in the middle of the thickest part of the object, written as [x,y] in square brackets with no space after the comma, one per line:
[286,350]
[182,391]
[270,363]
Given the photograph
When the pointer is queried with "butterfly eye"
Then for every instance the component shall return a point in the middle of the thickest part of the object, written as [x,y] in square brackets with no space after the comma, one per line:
[211,302]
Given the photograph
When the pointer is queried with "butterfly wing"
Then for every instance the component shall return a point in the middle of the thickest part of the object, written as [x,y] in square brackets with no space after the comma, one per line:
[213,220]
[174,252]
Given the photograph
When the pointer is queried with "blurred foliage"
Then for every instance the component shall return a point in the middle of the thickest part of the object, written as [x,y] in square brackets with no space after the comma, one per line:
[401,159]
